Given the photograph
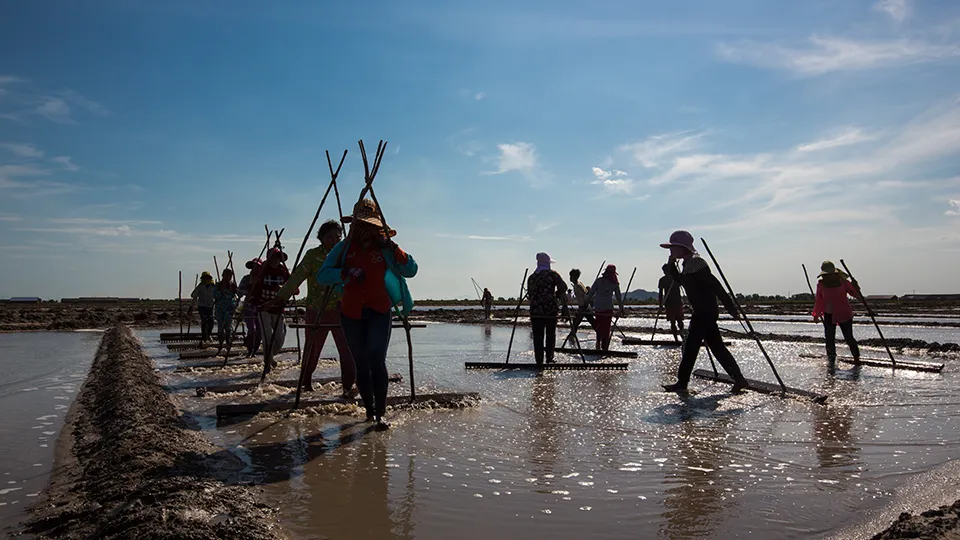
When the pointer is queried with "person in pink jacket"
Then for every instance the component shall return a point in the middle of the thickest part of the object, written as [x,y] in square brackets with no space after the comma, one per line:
[834,309]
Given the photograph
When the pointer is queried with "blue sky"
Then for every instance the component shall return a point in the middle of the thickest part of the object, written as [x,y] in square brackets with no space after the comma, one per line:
[137,140]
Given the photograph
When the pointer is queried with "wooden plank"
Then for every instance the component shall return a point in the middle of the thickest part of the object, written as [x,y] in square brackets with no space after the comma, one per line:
[212,353]
[909,365]
[274,406]
[760,386]
[597,352]
[176,337]
[298,325]
[594,366]
[246,362]
[225,388]
[658,342]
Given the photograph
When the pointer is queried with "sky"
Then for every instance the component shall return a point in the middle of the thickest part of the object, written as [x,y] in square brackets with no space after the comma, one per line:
[141,139]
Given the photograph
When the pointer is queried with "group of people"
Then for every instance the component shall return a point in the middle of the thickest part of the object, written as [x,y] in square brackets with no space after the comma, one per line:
[547,293]
[354,285]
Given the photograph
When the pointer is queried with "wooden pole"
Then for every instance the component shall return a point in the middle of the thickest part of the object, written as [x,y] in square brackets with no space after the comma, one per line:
[870,313]
[196,279]
[743,313]
[623,299]
[180,299]
[516,315]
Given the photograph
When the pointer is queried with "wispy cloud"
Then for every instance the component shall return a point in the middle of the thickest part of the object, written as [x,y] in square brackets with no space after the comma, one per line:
[652,151]
[613,181]
[66,163]
[22,150]
[9,217]
[955,208]
[55,110]
[898,10]
[479,95]
[57,106]
[828,54]
[847,137]
[520,157]
[98,221]
[485,238]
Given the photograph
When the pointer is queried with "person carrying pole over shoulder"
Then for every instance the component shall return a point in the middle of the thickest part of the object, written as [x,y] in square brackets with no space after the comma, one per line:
[266,282]
[225,300]
[203,293]
[668,297]
[487,302]
[602,293]
[703,291]
[583,307]
[547,291]
[329,234]
[251,314]
[832,306]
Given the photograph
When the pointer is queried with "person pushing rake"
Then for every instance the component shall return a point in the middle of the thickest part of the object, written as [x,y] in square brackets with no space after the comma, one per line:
[703,290]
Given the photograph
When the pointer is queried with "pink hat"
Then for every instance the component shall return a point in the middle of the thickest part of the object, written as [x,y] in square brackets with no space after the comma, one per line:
[682,239]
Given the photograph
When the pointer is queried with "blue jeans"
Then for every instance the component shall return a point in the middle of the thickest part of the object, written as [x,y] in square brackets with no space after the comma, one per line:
[368,338]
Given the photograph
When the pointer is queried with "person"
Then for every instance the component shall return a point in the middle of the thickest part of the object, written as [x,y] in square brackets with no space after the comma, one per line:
[266,282]
[703,290]
[203,293]
[832,306]
[225,305]
[583,311]
[668,298]
[251,314]
[371,268]
[487,302]
[546,289]
[323,308]
[601,295]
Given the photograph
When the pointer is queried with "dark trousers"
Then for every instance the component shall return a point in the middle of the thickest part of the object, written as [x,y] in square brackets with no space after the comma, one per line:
[830,332]
[544,337]
[603,325]
[206,322]
[254,335]
[705,330]
[368,338]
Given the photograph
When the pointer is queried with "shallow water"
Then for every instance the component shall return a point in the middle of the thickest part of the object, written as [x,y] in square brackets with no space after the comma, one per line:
[40,375]
[595,454]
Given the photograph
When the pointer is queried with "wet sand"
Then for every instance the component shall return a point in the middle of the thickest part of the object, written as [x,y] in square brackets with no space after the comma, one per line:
[127,466]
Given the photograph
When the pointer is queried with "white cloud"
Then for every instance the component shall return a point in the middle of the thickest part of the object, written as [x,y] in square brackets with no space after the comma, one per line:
[479,95]
[98,221]
[654,149]
[55,110]
[825,55]
[613,181]
[66,163]
[520,157]
[9,217]
[486,238]
[898,10]
[955,211]
[22,150]
[845,138]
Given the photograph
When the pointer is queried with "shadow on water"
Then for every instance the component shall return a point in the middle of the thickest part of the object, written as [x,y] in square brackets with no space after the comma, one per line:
[690,408]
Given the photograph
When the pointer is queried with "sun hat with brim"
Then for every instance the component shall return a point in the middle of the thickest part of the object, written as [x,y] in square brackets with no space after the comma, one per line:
[276,251]
[253,263]
[366,211]
[828,268]
[681,239]
[544,258]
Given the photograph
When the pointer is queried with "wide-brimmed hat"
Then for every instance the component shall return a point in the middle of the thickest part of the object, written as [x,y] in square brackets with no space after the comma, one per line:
[682,239]
[366,211]
[253,263]
[276,251]
[544,258]
[205,275]
[828,268]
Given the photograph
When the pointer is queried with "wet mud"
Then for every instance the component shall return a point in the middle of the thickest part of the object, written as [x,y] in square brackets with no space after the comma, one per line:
[128,466]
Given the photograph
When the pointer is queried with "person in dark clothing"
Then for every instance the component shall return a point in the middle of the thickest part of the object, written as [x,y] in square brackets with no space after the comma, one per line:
[703,290]
[668,294]
[547,292]
[583,307]
[487,302]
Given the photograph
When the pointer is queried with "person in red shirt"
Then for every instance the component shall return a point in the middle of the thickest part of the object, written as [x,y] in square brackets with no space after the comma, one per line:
[832,306]
[266,281]
[371,267]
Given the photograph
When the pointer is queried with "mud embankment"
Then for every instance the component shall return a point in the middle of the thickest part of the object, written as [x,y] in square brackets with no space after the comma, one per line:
[127,467]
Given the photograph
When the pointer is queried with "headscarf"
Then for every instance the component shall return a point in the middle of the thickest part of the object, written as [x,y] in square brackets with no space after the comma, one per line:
[543,262]
[611,274]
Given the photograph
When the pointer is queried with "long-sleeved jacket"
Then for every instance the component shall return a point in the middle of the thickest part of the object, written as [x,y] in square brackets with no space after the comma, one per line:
[703,289]
[832,298]
[602,293]
[204,294]
[312,262]
[395,265]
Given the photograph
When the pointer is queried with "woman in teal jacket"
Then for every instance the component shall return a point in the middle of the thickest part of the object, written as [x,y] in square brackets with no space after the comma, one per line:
[371,269]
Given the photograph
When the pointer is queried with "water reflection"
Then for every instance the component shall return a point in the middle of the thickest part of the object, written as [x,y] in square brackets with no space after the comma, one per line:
[543,430]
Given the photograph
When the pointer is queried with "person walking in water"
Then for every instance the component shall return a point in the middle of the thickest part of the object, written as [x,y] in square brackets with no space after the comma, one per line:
[371,268]
[583,307]
[251,314]
[203,293]
[267,281]
[831,305]
[703,290]
[487,302]
[225,305]
[601,295]
[668,296]
[318,313]
[547,292]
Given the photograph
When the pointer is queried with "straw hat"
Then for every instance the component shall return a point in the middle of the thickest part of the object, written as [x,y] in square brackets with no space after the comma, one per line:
[366,211]
[682,239]
[828,268]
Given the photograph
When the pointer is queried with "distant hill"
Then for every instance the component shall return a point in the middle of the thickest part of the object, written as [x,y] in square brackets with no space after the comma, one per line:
[640,294]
